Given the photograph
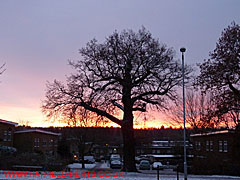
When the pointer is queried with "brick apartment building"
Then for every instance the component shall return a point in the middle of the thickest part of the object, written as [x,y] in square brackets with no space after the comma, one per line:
[216,152]
[7,129]
[35,140]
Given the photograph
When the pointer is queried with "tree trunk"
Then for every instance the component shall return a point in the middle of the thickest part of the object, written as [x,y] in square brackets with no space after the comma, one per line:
[82,155]
[127,123]
[128,137]
[128,148]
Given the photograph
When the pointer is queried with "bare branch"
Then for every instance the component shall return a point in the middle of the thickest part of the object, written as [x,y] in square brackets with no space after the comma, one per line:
[2,69]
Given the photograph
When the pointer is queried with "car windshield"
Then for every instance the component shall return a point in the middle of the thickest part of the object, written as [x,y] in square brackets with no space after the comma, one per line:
[114,159]
[144,162]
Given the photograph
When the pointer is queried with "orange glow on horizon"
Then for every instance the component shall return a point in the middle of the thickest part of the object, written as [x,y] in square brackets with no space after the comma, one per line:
[32,116]
[143,125]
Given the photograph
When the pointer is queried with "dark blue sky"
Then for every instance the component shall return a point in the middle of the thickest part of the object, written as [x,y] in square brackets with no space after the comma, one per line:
[38,37]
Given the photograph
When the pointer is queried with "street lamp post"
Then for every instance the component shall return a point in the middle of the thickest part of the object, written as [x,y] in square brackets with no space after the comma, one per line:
[182,50]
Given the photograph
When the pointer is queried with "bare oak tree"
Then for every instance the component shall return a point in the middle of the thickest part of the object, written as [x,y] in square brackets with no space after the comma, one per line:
[130,71]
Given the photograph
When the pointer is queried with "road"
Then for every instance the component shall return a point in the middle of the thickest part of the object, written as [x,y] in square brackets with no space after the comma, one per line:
[102,171]
[167,174]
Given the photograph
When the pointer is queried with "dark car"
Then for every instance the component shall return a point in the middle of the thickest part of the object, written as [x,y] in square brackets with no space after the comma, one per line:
[144,165]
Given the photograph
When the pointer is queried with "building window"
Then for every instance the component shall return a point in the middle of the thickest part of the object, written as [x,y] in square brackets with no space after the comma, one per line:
[225,146]
[9,135]
[5,136]
[158,151]
[51,142]
[198,145]
[36,142]
[55,143]
[44,143]
[153,151]
[211,145]
[220,146]
[207,145]
[138,151]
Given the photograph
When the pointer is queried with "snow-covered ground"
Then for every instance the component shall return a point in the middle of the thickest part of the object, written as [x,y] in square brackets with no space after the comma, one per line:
[77,166]
[104,167]
[126,176]
[139,176]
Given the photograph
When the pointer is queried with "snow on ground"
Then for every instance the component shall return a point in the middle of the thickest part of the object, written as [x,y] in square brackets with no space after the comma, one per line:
[77,166]
[127,176]
[104,166]
[141,177]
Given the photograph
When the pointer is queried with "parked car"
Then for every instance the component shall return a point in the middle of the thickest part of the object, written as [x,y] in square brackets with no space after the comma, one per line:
[115,161]
[88,159]
[114,156]
[144,165]
[146,157]
[116,164]
[137,159]
[157,165]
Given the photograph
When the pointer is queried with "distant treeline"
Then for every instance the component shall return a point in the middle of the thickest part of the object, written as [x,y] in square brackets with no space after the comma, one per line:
[113,135]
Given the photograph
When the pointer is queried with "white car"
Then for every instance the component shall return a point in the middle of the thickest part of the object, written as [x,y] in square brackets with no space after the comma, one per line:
[89,159]
[157,165]
[115,164]
[114,156]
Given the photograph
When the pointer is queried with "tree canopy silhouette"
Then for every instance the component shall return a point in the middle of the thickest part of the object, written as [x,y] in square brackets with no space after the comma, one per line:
[130,71]
[220,74]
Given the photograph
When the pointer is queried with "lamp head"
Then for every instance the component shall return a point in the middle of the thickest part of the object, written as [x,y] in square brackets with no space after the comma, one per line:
[183,49]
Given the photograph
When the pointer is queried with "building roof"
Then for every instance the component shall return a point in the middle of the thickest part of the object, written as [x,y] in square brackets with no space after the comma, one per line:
[212,133]
[163,155]
[166,141]
[8,122]
[39,131]
[168,155]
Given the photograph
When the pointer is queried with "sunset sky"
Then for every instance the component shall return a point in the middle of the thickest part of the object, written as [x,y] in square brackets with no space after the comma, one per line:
[38,37]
